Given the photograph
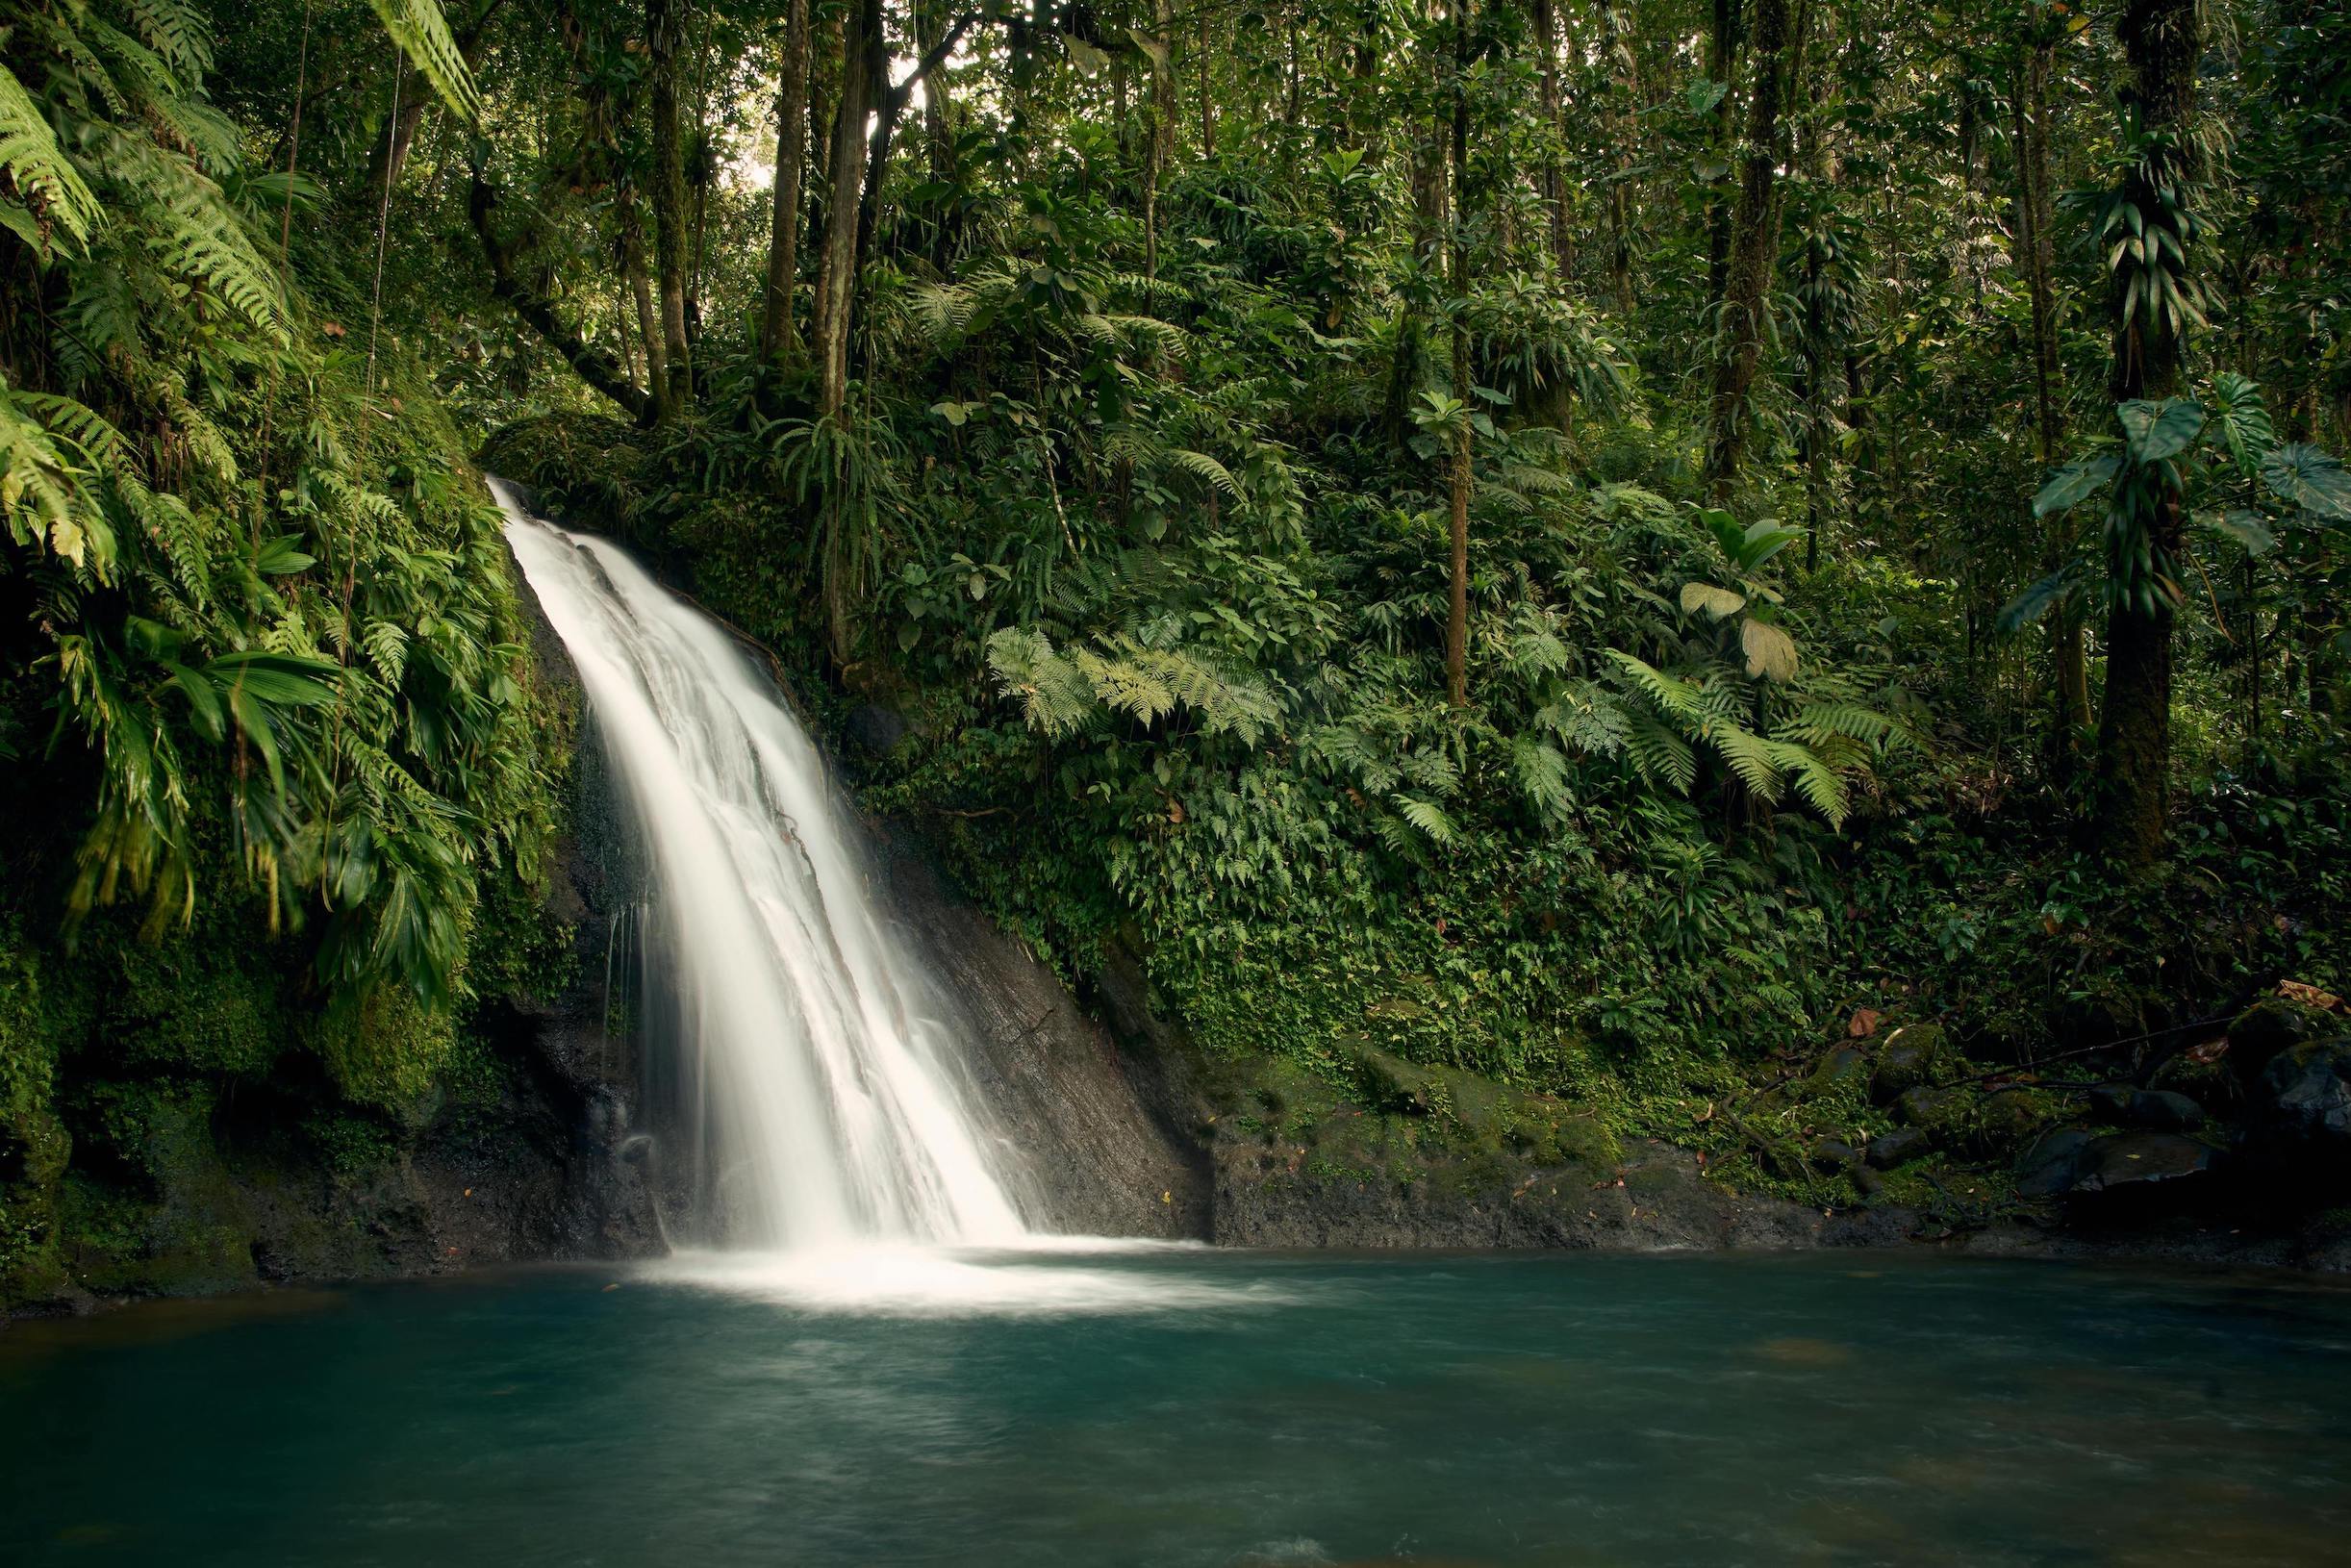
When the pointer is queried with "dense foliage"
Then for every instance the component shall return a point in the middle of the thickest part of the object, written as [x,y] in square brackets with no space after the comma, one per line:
[1593,541]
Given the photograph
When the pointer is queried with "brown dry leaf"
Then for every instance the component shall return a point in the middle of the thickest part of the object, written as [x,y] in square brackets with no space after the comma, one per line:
[2310,995]
[2209,1053]
[1864,1024]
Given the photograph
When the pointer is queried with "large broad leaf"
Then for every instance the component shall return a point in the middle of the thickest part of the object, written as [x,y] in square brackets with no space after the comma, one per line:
[2304,476]
[2071,484]
[2244,421]
[1726,530]
[1763,542]
[2161,430]
[1770,654]
[1706,598]
[2038,599]
[2245,527]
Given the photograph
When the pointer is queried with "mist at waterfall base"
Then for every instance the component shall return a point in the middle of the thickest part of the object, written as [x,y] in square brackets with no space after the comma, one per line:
[1525,1412]
[815,1135]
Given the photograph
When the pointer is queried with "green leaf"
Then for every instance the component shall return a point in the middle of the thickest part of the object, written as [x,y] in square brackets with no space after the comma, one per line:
[282,557]
[422,33]
[2302,476]
[2076,481]
[2161,430]
[2245,526]
[2038,600]
[2245,421]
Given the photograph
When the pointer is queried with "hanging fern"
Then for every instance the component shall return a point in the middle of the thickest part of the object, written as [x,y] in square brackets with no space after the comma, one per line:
[422,33]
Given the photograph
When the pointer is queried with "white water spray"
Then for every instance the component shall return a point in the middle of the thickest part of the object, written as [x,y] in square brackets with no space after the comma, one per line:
[833,1106]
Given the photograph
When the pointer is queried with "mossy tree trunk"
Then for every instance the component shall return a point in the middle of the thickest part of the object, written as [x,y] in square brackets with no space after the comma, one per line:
[778,332]
[666,29]
[1755,243]
[2161,43]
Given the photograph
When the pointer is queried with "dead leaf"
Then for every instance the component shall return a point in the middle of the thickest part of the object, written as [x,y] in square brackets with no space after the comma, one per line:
[1864,1024]
[2310,995]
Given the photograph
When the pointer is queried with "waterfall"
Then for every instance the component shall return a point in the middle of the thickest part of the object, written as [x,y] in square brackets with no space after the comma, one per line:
[828,1104]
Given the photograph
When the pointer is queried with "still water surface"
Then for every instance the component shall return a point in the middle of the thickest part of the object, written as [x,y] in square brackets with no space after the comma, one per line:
[1189,1407]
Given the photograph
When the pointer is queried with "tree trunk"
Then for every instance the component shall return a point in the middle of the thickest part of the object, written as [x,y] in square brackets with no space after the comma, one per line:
[778,334]
[641,294]
[665,24]
[1754,247]
[1162,146]
[1207,94]
[1456,617]
[938,127]
[2160,45]
[1722,65]
[1625,114]
[837,253]
[1555,127]
[2030,116]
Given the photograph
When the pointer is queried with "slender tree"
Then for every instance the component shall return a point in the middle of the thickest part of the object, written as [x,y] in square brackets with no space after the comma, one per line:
[666,27]
[778,332]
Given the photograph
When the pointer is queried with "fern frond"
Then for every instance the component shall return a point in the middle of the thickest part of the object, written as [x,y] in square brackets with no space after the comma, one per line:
[422,33]
[40,170]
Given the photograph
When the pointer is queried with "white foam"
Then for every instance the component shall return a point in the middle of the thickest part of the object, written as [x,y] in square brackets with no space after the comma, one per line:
[887,1279]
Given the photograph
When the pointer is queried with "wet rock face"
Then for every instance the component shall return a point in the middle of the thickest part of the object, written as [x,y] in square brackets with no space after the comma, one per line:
[1653,1198]
[1095,1120]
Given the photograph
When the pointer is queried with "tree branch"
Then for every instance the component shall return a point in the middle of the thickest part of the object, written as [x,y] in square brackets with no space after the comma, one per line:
[593,365]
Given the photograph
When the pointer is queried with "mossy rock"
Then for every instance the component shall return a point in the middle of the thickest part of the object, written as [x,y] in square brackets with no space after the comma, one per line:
[1840,1067]
[2276,1023]
[1908,1060]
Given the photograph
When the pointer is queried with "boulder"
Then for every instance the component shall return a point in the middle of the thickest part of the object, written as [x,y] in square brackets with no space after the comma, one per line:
[1925,1107]
[1843,1065]
[2052,1163]
[1906,1061]
[1833,1154]
[2070,1163]
[2134,1107]
[2269,1027]
[2007,1118]
[2298,1121]
[2137,1159]
[1898,1146]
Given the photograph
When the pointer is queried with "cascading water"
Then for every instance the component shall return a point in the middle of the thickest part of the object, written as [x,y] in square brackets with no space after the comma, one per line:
[828,1095]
